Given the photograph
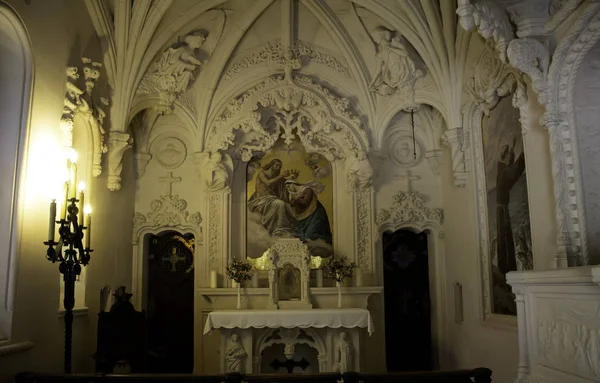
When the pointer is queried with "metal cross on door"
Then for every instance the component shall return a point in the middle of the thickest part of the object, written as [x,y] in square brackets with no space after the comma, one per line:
[174,258]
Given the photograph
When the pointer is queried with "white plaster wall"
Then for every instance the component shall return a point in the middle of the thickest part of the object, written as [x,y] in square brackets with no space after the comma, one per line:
[57,41]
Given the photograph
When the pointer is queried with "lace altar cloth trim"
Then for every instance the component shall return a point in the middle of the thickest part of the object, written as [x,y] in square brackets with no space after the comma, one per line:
[317,318]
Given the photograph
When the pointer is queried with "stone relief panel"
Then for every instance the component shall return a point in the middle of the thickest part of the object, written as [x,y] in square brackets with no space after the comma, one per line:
[587,115]
[409,207]
[567,335]
[403,151]
[271,52]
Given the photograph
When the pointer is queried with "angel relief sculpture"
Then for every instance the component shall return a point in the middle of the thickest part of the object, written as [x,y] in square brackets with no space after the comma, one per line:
[175,69]
[395,67]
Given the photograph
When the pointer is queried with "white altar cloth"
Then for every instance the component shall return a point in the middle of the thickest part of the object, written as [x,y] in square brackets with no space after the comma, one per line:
[317,318]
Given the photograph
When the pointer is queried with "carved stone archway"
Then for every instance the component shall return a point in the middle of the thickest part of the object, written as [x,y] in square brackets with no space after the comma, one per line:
[286,107]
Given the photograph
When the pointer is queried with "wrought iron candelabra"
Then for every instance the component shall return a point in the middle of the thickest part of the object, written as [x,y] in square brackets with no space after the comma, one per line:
[71,254]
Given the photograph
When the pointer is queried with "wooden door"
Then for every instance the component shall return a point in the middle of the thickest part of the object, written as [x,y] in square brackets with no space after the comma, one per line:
[171,303]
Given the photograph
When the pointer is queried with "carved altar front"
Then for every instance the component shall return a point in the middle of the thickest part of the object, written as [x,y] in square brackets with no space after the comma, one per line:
[305,341]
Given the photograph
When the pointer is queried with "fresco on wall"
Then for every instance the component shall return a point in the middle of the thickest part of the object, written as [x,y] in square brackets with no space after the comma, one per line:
[507,202]
[289,194]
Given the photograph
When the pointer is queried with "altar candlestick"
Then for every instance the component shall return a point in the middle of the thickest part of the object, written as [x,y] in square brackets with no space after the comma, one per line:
[213,279]
[52,226]
[81,202]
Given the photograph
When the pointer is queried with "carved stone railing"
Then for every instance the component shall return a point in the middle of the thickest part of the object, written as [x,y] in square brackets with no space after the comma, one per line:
[558,315]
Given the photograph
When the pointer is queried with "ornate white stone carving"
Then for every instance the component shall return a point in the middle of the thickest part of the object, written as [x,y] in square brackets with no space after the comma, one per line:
[173,72]
[409,207]
[402,149]
[458,143]
[364,224]
[168,211]
[395,66]
[359,173]
[118,142]
[531,57]
[491,80]
[236,355]
[491,20]
[561,124]
[81,100]
[170,152]
[300,107]
[215,201]
[141,161]
[271,53]
[560,10]
[216,169]
[434,158]
[529,16]
[295,253]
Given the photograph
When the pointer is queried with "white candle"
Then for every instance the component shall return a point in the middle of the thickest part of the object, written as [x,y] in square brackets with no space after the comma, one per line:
[73,183]
[234,284]
[213,279]
[358,278]
[81,201]
[63,207]
[319,277]
[88,233]
[255,279]
[52,223]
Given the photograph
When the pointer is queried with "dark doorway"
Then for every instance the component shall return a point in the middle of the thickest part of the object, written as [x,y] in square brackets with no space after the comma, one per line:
[171,303]
[406,299]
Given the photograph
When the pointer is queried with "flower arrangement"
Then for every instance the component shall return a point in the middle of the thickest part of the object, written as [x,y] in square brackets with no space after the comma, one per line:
[339,269]
[239,271]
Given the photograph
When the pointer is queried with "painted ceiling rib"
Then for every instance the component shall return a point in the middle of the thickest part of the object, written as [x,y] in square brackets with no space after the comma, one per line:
[216,65]
[338,33]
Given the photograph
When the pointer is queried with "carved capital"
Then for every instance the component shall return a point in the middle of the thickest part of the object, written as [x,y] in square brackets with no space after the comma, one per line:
[552,120]
[359,173]
[529,17]
[118,143]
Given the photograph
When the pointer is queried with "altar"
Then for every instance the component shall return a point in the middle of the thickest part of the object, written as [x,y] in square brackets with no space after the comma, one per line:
[310,341]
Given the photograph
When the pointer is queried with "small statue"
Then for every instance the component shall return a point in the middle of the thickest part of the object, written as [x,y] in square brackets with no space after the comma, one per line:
[218,168]
[236,355]
[344,351]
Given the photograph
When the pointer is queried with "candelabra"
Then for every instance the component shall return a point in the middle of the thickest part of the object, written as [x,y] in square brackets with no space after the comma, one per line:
[70,252]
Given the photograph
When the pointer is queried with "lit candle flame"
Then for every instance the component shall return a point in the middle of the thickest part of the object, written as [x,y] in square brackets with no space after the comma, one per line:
[81,186]
[87,210]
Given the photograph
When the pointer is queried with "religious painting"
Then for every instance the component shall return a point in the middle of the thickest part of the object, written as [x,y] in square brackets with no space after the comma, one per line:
[509,231]
[289,280]
[289,195]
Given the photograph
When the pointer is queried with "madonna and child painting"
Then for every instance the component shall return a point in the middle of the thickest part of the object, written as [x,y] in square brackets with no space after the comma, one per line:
[290,195]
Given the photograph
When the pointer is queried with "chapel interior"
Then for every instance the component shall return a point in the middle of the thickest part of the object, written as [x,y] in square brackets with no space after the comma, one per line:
[252,187]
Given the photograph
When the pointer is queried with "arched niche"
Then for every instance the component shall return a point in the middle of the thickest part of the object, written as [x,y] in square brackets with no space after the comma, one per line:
[286,108]
[16,77]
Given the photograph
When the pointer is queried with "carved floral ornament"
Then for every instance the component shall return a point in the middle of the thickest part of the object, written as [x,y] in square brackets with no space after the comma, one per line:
[284,108]
[407,208]
[167,211]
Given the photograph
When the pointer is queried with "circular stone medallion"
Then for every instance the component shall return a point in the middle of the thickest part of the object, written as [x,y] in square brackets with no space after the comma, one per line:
[402,149]
[170,152]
